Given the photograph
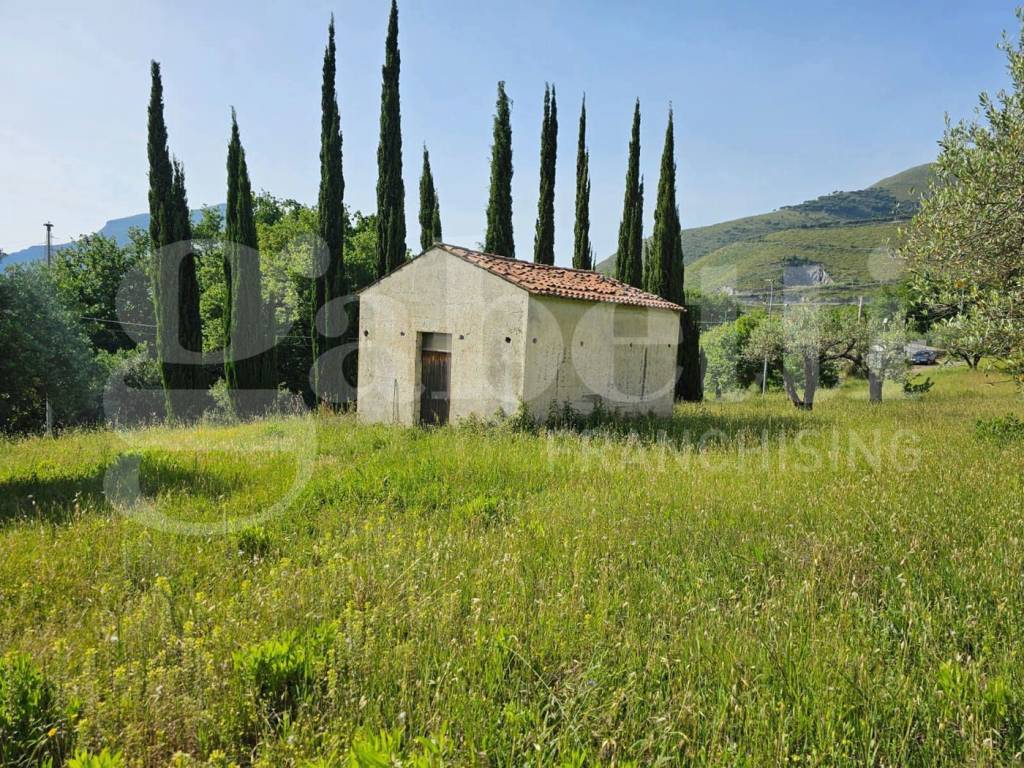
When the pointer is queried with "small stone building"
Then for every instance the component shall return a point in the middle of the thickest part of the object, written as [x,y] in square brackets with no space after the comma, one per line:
[455,333]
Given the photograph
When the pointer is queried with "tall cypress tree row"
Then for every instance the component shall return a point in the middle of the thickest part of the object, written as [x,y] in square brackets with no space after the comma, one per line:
[175,288]
[544,238]
[629,257]
[430,208]
[252,381]
[329,269]
[499,237]
[390,187]
[582,253]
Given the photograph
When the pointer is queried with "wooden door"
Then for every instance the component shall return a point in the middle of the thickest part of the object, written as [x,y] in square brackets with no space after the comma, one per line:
[435,389]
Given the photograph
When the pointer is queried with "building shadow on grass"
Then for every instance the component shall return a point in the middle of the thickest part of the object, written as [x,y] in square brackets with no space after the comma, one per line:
[697,429]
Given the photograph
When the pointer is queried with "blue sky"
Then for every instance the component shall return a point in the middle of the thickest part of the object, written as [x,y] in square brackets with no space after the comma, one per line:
[775,103]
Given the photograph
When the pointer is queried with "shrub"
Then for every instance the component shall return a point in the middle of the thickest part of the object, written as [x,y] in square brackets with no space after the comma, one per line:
[521,420]
[280,672]
[1001,429]
[913,387]
[104,759]
[255,542]
[32,727]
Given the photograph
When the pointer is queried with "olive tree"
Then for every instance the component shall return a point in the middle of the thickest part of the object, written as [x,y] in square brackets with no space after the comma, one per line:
[799,343]
[964,246]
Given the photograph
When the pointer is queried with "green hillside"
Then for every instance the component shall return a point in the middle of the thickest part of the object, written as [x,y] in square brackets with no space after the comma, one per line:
[855,257]
[847,233]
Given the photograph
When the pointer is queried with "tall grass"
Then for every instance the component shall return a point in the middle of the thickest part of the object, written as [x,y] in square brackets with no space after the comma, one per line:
[744,585]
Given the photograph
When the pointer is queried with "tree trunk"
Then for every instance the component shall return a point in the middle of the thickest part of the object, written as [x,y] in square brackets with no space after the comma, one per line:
[790,385]
[810,381]
[874,387]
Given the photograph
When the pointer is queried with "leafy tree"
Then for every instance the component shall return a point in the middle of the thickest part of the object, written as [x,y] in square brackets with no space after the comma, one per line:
[964,246]
[801,344]
[499,237]
[212,273]
[43,351]
[390,187]
[544,238]
[582,252]
[727,365]
[430,208]
[629,257]
[249,361]
[90,273]
[329,266]
[879,352]
[976,334]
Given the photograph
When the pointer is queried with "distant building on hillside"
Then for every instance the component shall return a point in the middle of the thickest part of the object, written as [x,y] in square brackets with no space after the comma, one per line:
[455,333]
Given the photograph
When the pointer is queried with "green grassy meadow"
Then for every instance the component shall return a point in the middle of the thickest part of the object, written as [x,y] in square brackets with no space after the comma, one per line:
[743,585]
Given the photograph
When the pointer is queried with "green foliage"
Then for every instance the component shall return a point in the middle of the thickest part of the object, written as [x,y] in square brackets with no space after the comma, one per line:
[964,245]
[583,252]
[249,352]
[175,289]
[728,367]
[391,251]
[33,729]
[324,323]
[499,237]
[103,759]
[1000,429]
[629,257]
[663,269]
[430,208]
[88,274]
[544,237]
[914,387]
[281,672]
[43,350]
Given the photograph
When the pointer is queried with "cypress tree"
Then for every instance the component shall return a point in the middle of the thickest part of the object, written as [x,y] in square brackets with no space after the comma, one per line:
[499,237]
[664,272]
[430,208]
[329,269]
[251,384]
[664,267]
[544,238]
[390,187]
[190,330]
[582,253]
[629,257]
[175,288]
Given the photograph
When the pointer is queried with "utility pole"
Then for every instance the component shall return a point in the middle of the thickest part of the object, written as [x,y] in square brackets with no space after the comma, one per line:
[49,263]
[764,373]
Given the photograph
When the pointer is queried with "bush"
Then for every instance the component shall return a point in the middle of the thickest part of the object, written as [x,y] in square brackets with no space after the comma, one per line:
[1001,429]
[914,388]
[43,351]
[32,727]
[279,673]
[105,759]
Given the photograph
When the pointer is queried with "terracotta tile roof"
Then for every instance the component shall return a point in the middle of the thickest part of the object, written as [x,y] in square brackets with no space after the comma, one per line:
[560,281]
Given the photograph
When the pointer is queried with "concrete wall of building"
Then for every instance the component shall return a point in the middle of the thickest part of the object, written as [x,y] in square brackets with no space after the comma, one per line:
[582,353]
[440,293]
